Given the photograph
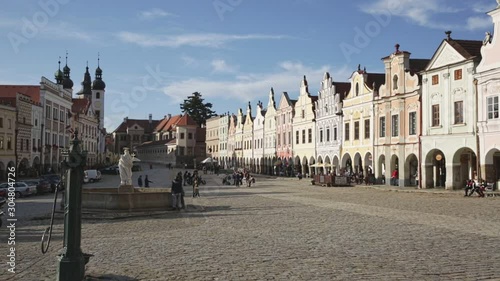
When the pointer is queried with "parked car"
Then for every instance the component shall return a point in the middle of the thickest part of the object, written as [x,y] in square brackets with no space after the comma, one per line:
[91,176]
[42,186]
[53,179]
[21,189]
[112,170]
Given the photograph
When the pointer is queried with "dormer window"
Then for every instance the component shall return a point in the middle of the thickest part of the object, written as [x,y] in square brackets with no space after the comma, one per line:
[395,82]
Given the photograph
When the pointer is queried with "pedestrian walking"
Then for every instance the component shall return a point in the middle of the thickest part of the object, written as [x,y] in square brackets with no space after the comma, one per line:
[196,190]
[139,181]
[147,181]
[177,192]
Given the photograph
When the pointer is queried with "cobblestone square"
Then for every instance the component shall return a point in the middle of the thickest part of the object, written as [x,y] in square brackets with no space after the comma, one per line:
[283,229]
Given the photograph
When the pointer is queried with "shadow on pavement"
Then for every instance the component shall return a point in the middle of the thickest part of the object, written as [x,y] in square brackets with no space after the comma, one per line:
[109,277]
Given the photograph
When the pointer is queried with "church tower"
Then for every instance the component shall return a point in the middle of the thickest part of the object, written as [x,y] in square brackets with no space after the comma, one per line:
[98,89]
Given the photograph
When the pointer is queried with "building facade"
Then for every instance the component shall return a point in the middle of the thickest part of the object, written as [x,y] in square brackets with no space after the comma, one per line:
[488,87]
[7,134]
[284,129]
[258,138]
[397,119]
[270,135]
[304,130]
[328,109]
[449,141]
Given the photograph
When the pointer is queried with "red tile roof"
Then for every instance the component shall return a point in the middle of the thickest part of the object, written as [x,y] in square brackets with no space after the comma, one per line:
[186,120]
[80,105]
[168,124]
[29,90]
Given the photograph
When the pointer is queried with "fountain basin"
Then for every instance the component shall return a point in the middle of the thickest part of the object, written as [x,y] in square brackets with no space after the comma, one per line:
[140,199]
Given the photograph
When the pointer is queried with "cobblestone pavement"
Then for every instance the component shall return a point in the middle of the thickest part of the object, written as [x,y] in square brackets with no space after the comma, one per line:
[283,230]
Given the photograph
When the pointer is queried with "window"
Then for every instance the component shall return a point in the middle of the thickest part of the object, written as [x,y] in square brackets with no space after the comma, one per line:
[309,135]
[27,145]
[382,127]
[61,115]
[435,79]
[326,108]
[458,74]
[1,122]
[367,128]
[395,125]
[97,95]
[303,136]
[303,113]
[9,143]
[334,134]
[356,130]
[459,112]
[36,122]
[284,138]
[279,140]
[492,107]
[22,142]
[182,136]
[321,136]
[357,89]
[327,134]
[190,136]
[395,82]
[413,123]
[435,115]
[9,121]
[1,142]
[47,111]
[34,144]
[346,131]
[54,113]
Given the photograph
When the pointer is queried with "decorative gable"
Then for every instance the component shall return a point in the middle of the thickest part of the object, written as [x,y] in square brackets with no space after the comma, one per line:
[445,55]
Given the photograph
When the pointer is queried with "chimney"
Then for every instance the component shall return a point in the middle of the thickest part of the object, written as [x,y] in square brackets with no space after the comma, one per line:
[125,120]
[448,35]
[150,118]
[169,116]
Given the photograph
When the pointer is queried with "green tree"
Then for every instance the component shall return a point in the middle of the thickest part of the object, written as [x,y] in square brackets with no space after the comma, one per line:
[198,110]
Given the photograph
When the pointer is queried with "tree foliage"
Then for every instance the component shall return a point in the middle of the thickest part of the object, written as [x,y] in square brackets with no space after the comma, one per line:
[195,107]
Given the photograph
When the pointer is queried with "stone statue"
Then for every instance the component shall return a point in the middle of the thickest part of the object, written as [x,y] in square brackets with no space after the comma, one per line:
[125,165]
[487,37]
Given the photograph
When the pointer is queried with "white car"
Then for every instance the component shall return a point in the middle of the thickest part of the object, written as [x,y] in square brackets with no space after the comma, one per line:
[91,176]
[21,189]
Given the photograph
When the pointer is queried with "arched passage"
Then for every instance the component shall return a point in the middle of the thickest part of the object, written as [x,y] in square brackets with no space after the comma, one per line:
[435,169]
[394,170]
[358,163]
[411,170]
[492,166]
[3,172]
[346,164]
[335,165]
[464,166]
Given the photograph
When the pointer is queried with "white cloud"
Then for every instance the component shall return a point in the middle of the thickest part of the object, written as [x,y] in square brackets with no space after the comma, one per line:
[211,40]
[154,14]
[420,12]
[219,65]
[189,61]
[242,88]
[476,23]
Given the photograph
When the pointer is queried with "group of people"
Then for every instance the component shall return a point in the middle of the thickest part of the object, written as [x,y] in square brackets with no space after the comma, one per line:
[177,188]
[238,177]
[472,187]
[146,181]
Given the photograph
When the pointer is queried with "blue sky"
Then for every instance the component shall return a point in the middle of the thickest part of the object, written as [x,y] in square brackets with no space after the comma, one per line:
[156,53]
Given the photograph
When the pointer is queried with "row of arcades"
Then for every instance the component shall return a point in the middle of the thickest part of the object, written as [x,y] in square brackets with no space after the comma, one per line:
[439,169]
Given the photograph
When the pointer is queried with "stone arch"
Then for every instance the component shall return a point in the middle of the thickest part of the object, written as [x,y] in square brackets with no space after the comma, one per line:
[327,165]
[380,171]
[368,163]
[464,166]
[435,169]
[357,163]
[492,166]
[346,163]
[395,169]
[335,164]
[411,170]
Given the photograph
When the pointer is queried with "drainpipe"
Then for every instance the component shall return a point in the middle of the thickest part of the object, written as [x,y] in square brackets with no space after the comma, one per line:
[476,129]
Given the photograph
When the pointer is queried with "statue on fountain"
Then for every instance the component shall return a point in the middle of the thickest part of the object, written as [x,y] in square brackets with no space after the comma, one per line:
[125,166]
